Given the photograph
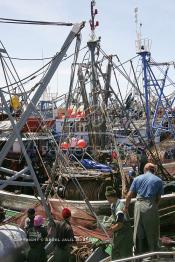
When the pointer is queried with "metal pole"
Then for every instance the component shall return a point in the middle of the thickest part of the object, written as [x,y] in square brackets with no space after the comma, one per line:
[108,81]
[12,172]
[103,127]
[86,106]
[153,78]
[16,183]
[68,102]
[15,176]
[92,46]
[159,100]
[146,89]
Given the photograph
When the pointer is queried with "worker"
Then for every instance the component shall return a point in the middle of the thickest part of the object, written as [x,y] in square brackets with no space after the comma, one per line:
[65,238]
[148,189]
[36,236]
[128,179]
[142,159]
[2,214]
[120,225]
[29,222]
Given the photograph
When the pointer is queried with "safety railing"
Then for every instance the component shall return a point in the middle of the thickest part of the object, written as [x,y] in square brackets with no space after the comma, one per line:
[143,45]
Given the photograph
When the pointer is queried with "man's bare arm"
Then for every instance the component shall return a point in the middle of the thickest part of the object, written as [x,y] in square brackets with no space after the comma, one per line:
[129,196]
[116,227]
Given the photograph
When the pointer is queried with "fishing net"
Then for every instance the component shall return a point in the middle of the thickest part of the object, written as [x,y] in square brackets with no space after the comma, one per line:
[83,224]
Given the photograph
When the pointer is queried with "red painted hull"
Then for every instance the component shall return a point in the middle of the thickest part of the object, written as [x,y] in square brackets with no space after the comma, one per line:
[36,124]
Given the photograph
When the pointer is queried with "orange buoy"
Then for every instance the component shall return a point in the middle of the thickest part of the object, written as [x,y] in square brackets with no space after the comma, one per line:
[69,112]
[64,145]
[81,143]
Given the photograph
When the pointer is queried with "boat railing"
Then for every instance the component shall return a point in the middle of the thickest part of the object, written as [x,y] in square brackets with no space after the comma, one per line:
[143,45]
[157,256]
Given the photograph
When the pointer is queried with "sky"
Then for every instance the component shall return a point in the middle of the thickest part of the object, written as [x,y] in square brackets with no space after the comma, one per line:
[116,28]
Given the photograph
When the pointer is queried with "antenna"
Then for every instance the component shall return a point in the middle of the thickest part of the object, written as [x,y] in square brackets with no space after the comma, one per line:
[142,45]
[92,22]
[138,26]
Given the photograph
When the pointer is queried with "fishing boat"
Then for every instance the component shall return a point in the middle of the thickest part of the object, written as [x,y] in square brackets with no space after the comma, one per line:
[38,143]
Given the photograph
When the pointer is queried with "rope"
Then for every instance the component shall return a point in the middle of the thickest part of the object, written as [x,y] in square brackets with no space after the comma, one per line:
[41,68]
[41,59]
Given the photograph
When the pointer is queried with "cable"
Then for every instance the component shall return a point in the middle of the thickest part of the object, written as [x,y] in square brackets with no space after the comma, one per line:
[41,59]
[47,64]
[30,22]
[29,59]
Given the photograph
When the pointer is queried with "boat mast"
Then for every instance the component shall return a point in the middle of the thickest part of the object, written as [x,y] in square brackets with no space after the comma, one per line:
[92,44]
[153,85]
[143,49]
[108,81]
[81,80]
[106,96]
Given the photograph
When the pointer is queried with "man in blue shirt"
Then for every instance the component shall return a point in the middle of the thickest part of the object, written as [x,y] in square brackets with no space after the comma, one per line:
[148,189]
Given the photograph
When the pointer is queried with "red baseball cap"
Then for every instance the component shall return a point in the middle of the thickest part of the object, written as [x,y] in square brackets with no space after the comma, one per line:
[66,213]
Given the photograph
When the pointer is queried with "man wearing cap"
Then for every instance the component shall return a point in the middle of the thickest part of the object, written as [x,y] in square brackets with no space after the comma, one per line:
[120,225]
[36,236]
[148,189]
[64,238]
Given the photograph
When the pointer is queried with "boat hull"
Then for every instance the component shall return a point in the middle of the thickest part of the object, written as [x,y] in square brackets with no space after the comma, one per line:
[22,202]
